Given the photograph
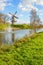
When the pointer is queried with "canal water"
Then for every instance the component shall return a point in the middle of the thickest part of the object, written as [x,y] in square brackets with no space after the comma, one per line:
[10,36]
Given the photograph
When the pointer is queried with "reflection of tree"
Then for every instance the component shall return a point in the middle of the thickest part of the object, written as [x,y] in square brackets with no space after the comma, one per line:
[7,37]
[13,37]
[0,39]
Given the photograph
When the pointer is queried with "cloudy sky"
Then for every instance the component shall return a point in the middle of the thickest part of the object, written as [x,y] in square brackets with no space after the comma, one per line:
[23,8]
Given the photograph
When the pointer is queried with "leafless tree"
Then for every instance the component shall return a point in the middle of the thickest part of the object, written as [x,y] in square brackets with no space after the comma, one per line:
[34,19]
[3,18]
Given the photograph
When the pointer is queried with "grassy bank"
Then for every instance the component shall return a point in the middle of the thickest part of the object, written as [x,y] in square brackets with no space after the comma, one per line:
[17,26]
[27,51]
[25,26]
[21,26]
[3,26]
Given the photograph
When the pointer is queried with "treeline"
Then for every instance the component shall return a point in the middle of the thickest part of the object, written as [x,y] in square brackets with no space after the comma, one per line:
[21,26]
[26,26]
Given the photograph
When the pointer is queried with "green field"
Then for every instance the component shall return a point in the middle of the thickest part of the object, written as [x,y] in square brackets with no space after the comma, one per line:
[27,51]
[3,26]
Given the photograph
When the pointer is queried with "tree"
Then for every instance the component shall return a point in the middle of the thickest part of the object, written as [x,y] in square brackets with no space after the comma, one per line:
[34,20]
[1,15]
[3,18]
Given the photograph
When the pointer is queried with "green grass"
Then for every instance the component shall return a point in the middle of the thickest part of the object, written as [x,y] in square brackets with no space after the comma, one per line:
[18,26]
[27,51]
[21,26]
[26,26]
[3,26]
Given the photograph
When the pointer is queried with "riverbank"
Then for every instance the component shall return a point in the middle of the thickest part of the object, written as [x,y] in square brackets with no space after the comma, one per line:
[27,51]
[19,26]
[14,27]
[25,26]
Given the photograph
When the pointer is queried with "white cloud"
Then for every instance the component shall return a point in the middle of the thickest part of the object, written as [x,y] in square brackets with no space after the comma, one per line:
[22,22]
[9,15]
[30,6]
[27,5]
[40,11]
[20,5]
[39,2]
[4,3]
[20,15]
[24,9]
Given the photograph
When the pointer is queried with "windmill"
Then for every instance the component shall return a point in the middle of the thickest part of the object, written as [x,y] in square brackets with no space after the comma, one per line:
[13,17]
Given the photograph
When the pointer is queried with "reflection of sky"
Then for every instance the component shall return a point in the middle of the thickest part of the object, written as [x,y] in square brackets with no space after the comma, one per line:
[21,33]
[10,37]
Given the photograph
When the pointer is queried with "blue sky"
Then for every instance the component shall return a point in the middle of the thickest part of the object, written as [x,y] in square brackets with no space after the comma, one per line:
[23,8]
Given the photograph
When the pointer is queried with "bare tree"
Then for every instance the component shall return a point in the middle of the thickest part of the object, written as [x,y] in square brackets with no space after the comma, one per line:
[3,18]
[34,19]
[1,15]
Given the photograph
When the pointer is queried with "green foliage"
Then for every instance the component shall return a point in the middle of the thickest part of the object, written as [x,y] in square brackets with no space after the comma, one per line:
[21,26]
[26,26]
[3,26]
[27,51]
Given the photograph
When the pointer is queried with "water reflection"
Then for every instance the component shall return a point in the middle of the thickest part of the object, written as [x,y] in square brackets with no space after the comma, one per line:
[0,39]
[7,37]
[10,36]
